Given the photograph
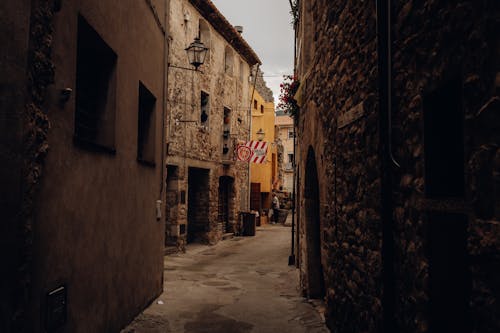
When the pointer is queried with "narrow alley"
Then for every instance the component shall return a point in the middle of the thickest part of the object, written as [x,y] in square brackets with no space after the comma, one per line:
[240,285]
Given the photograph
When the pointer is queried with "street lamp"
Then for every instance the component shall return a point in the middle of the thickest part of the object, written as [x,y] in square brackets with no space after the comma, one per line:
[260,134]
[197,51]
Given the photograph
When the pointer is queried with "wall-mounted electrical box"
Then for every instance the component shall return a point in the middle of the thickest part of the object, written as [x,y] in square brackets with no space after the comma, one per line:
[56,309]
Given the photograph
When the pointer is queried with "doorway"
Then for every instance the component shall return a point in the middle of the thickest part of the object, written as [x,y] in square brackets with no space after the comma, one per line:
[198,204]
[315,279]
[226,193]
[171,206]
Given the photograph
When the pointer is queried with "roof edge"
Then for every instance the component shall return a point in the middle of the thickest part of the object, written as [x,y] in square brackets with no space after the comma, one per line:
[210,12]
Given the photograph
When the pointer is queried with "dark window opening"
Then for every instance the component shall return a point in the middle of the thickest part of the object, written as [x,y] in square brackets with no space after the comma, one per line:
[228,61]
[95,91]
[262,109]
[444,142]
[255,104]
[449,278]
[146,126]
[205,98]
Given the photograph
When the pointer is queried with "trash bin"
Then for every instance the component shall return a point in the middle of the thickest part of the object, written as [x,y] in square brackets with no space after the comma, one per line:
[248,223]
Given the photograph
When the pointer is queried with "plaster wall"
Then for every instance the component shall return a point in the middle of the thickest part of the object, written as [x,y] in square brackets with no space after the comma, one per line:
[15,27]
[263,173]
[96,230]
[284,124]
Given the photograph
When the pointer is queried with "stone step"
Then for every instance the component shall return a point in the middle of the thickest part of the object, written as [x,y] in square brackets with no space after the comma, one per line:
[228,235]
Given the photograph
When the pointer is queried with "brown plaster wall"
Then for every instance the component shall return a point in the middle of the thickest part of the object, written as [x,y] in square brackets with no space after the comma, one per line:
[431,41]
[14,237]
[96,229]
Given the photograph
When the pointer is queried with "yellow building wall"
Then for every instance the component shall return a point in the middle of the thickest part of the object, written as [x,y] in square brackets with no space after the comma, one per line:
[263,117]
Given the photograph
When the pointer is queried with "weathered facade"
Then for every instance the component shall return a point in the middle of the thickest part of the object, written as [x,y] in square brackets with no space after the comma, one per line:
[263,176]
[410,245]
[284,137]
[208,112]
[82,118]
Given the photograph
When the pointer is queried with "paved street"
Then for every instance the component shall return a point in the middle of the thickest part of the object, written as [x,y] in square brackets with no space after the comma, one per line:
[240,285]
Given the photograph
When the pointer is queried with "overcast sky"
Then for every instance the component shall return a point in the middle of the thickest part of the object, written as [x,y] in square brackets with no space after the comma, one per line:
[267,28]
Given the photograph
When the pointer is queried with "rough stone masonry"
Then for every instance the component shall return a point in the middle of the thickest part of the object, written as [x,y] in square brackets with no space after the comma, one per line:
[434,43]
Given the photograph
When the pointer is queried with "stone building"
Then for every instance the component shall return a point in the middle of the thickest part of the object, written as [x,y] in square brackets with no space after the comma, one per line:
[208,113]
[399,188]
[263,176]
[81,114]
[284,135]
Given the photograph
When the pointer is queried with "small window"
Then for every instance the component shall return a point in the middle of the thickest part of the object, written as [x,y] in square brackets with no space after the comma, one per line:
[146,126]
[241,71]
[95,91]
[204,111]
[255,104]
[262,109]
[444,141]
[228,61]
[290,158]
[290,133]
[204,34]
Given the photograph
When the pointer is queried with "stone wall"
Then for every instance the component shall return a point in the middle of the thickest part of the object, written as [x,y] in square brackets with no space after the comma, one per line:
[27,71]
[433,41]
[262,88]
[346,158]
[192,143]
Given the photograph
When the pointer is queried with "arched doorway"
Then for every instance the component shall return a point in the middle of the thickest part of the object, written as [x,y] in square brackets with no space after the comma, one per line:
[315,279]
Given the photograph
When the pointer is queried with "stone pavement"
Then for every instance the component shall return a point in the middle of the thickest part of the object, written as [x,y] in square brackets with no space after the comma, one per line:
[241,285]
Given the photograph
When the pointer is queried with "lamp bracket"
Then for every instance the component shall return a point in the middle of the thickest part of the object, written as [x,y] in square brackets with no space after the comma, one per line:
[186,68]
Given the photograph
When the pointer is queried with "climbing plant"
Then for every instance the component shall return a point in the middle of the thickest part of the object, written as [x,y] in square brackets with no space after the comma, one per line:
[287,102]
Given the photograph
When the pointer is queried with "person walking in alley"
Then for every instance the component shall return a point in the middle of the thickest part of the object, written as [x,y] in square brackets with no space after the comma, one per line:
[276,206]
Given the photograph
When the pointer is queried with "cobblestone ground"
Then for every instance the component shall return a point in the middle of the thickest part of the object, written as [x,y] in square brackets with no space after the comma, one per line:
[240,285]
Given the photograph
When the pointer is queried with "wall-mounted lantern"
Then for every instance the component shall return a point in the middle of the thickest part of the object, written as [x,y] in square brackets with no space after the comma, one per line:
[197,51]
[260,134]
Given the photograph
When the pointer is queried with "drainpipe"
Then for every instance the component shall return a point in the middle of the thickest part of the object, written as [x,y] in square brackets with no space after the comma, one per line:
[250,133]
[383,19]
[291,259]
[166,53]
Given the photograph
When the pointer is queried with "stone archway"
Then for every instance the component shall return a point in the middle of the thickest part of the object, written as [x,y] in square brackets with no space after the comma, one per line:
[315,279]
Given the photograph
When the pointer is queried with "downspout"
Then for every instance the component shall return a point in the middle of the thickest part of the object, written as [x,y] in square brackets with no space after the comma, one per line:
[250,133]
[166,53]
[295,218]
[383,18]
[291,258]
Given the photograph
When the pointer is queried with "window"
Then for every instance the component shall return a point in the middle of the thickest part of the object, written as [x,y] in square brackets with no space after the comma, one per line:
[204,34]
[95,91]
[228,61]
[241,71]
[204,111]
[262,109]
[255,104]
[146,126]
[290,158]
[444,141]
[290,133]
